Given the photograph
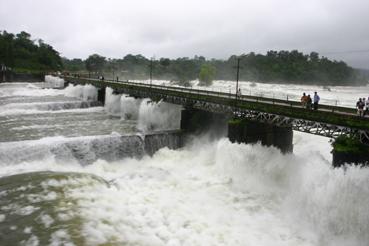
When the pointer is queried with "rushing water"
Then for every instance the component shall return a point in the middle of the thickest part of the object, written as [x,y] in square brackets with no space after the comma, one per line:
[75,173]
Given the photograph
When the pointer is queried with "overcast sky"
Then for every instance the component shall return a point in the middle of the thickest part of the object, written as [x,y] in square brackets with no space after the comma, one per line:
[177,28]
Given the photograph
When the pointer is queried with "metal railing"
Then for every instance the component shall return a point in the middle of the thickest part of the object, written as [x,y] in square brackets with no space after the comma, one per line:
[221,94]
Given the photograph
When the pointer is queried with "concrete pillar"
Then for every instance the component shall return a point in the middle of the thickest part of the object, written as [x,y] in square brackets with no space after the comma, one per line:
[101,95]
[196,121]
[246,131]
[347,150]
[66,83]
[341,158]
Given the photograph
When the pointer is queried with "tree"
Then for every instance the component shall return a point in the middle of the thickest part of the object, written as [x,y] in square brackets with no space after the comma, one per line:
[207,73]
[48,57]
[23,54]
[74,64]
[95,63]
[7,49]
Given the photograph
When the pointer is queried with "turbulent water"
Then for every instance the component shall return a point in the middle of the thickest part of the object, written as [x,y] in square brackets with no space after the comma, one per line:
[76,173]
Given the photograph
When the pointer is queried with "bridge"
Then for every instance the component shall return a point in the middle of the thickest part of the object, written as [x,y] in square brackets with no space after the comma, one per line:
[271,120]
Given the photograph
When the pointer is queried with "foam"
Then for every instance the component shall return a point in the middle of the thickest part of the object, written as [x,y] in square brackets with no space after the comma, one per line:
[32,241]
[212,192]
[216,192]
[334,95]
[8,112]
[121,105]
[53,82]
[154,116]
[83,92]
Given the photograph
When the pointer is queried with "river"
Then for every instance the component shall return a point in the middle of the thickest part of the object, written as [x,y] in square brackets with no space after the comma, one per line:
[76,173]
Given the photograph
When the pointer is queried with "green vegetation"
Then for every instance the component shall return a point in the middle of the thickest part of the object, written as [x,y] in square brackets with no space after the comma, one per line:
[282,66]
[95,63]
[207,73]
[345,144]
[235,121]
[74,65]
[21,53]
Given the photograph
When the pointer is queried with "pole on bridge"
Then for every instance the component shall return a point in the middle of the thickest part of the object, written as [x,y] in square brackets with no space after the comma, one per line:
[150,71]
[238,74]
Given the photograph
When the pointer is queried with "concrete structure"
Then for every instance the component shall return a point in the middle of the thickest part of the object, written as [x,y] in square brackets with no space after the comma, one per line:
[101,95]
[247,131]
[268,120]
[10,76]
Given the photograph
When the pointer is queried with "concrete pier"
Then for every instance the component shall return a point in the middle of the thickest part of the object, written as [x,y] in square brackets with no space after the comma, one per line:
[101,95]
[196,121]
[9,76]
[246,131]
[347,150]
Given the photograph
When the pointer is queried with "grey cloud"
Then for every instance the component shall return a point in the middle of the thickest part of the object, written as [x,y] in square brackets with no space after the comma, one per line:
[214,28]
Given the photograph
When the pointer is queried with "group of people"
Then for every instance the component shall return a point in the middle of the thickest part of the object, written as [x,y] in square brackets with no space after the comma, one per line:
[310,103]
[362,106]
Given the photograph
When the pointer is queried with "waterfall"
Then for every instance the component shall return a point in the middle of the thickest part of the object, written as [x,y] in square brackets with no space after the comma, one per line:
[86,150]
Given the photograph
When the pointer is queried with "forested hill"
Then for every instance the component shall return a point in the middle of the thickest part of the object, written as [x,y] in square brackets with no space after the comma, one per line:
[22,54]
[282,66]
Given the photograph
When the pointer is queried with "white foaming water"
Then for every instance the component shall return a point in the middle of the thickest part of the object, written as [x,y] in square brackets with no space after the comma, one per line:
[158,116]
[84,92]
[47,110]
[53,82]
[43,106]
[208,193]
[27,90]
[219,193]
[332,95]
[26,98]
[121,105]
[112,102]
[152,116]
[129,107]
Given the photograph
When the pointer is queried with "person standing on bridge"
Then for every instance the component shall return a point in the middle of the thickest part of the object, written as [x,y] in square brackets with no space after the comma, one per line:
[239,93]
[308,102]
[364,102]
[316,100]
[367,107]
[304,99]
[360,107]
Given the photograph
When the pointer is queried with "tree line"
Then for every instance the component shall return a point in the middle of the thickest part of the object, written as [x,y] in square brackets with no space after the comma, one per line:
[23,54]
[275,66]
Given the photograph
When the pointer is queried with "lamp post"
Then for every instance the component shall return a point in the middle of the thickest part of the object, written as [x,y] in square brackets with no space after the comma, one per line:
[151,71]
[238,75]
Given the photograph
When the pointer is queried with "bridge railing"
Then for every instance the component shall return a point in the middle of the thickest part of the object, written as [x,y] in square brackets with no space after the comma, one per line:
[268,100]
